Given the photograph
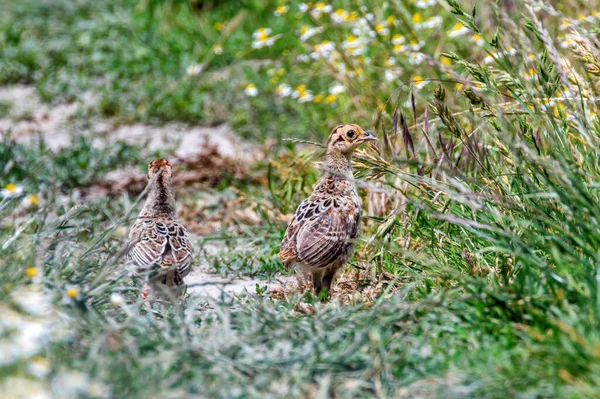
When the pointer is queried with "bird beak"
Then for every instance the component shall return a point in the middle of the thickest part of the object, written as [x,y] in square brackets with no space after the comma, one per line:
[369,137]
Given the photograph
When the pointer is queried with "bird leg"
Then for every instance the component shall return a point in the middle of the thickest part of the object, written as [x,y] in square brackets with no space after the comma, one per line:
[328,280]
[317,280]
[322,284]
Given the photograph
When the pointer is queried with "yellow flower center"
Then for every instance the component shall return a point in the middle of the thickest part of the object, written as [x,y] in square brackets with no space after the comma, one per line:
[31,272]
[11,188]
[219,26]
[33,199]
[330,98]
[417,18]
[72,292]
[458,26]
[301,88]
[318,98]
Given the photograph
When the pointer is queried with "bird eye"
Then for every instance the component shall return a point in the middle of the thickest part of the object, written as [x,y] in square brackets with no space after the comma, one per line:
[351,134]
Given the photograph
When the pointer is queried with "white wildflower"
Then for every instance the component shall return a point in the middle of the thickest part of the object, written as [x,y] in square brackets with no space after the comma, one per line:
[567,42]
[477,39]
[416,46]
[320,8]
[11,190]
[433,22]
[398,39]
[281,10]
[194,69]
[337,89]
[382,29]
[251,90]
[339,16]
[353,46]
[306,32]
[416,58]
[116,299]
[30,201]
[284,90]
[567,24]
[389,75]
[425,3]
[262,38]
[458,30]
[305,96]
[322,50]
[419,82]
[361,26]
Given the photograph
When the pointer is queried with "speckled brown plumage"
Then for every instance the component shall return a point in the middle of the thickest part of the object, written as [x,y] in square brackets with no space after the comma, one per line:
[322,235]
[158,242]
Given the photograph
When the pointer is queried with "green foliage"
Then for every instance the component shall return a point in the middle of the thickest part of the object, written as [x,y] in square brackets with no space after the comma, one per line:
[78,165]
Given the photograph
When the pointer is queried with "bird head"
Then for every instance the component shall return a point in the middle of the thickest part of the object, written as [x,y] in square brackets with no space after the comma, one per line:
[346,138]
[160,166]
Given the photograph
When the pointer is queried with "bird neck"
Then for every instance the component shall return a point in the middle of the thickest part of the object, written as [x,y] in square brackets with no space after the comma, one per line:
[338,164]
[161,199]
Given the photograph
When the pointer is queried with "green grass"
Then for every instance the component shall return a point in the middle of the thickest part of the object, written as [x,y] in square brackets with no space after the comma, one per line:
[489,222]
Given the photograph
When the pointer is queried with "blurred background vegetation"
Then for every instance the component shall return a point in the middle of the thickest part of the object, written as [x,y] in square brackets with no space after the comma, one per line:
[477,274]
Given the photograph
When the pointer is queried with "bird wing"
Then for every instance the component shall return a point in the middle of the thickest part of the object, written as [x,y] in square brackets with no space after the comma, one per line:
[322,230]
[287,254]
[325,237]
[161,242]
[148,243]
[181,248]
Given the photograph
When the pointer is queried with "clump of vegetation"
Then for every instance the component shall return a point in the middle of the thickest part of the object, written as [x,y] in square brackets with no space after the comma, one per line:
[482,201]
